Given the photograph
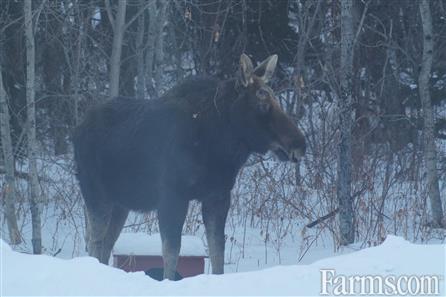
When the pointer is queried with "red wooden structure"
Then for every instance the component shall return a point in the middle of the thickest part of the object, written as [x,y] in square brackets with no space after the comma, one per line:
[142,252]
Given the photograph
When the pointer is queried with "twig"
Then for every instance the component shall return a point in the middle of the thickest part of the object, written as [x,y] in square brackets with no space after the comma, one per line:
[323,218]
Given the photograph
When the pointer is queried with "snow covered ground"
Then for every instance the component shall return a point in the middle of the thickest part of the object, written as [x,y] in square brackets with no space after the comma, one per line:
[23,274]
[141,243]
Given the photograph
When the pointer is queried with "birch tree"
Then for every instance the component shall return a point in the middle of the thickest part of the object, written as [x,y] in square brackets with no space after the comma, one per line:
[31,129]
[159,51]
[346,226]
[140,82]
[118,26]
[77,54]
[429,150]
[9,189]
[150,53]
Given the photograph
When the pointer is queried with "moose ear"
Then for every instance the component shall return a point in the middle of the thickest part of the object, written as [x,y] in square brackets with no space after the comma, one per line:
[246,70]
[265,70]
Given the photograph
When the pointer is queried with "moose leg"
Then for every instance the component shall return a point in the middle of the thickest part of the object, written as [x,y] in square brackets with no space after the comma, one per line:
[98,217]
[214,213]
[171,219]
[117,221]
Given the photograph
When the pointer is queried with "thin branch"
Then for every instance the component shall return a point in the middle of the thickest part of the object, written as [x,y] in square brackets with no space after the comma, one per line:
[364,13]
[323,218]
[110,14]
[143,9]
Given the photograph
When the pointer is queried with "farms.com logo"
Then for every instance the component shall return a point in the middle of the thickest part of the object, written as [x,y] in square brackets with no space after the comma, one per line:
[379,285]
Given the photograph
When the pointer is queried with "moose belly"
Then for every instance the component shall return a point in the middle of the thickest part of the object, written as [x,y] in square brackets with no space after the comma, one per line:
[210,182]
[133,192]
[140,185]
[130,183]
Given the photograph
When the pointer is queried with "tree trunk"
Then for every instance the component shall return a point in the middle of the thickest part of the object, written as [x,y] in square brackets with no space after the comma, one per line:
[150,54]
[159,51]
[306,23]
[176,51]
[53,68]
[140,83]
[346,226]
[430,155]
[31,129]
[118,35]
[76,85]
[8,156]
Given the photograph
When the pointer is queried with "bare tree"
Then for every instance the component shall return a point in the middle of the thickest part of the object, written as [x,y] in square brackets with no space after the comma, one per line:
[159,51]
[430,155]
[55,72]
[150,53]
[306,23]
[118,25]
[31,129]
[9,189]
[77,53]
[140,82]
[347,231]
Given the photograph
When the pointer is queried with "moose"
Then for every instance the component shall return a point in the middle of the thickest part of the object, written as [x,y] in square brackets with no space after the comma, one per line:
[189,144]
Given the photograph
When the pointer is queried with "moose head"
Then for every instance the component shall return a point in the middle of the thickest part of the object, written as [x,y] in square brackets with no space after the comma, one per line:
[260,120]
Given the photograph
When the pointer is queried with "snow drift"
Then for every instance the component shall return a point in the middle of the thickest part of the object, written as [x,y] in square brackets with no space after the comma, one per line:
[23,274]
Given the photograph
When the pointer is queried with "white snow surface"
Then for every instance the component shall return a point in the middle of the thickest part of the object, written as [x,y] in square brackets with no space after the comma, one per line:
[24,274]
[142,244]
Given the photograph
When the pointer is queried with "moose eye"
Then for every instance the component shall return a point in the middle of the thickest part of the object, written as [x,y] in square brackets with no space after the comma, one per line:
[262,94]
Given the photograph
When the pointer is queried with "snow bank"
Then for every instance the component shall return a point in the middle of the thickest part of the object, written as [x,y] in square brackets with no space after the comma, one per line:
[23,274]
[143,244]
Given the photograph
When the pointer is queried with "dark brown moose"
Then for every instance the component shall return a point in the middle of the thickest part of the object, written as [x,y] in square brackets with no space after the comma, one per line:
[143,155]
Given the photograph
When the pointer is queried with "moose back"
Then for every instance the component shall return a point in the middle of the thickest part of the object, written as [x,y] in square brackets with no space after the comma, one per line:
[143,155]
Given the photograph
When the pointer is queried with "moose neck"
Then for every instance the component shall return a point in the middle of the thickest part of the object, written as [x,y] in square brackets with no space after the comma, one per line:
[210,102]
[228,142]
